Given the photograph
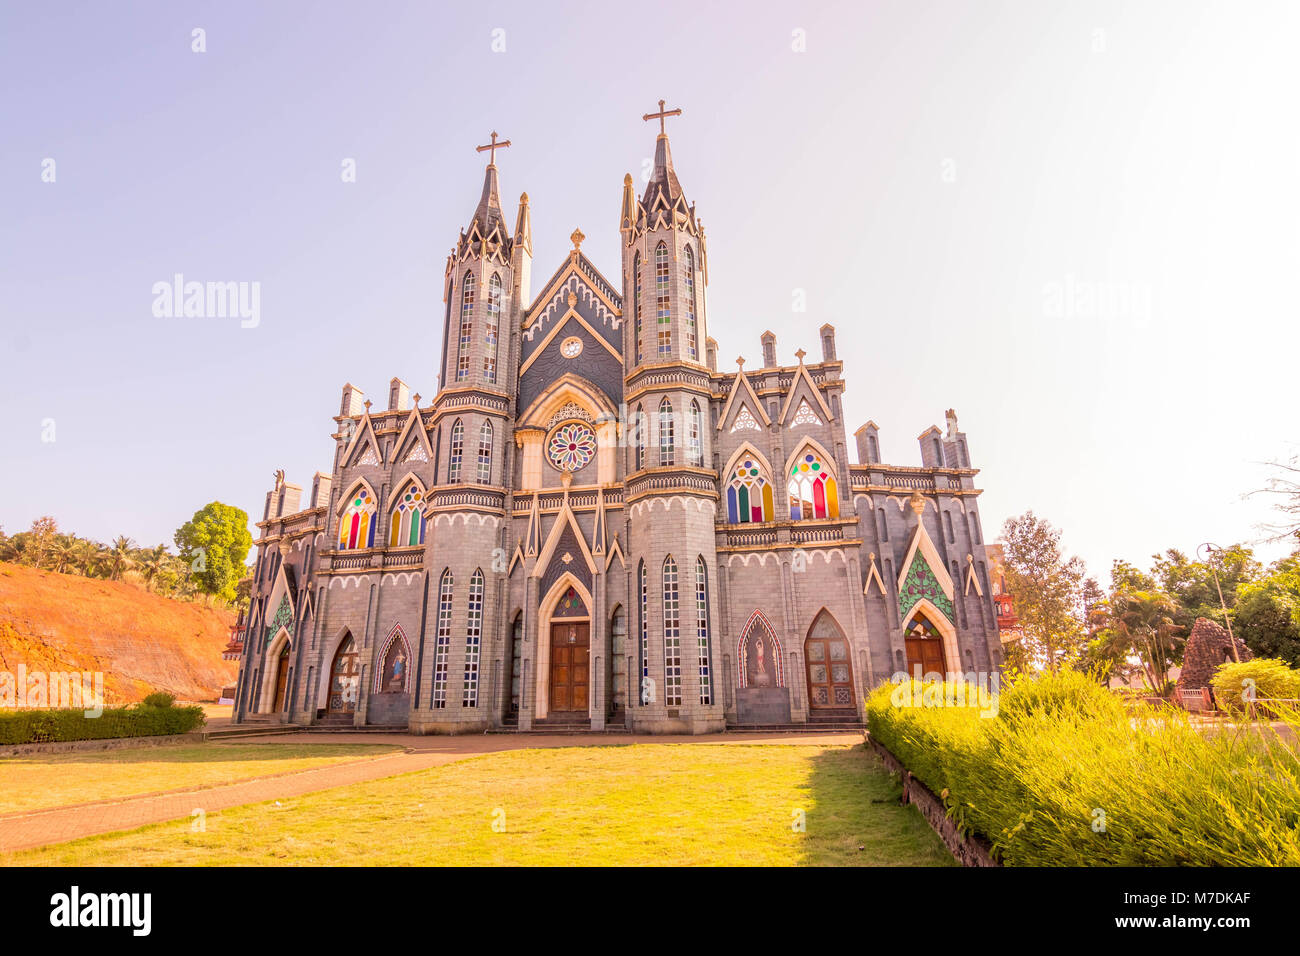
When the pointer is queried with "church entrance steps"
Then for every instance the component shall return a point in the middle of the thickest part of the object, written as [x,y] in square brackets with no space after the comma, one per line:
[340,728]
[259,729]
[820,727]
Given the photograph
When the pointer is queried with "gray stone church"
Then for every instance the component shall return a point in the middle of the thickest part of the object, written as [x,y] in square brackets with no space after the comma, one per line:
[592,525]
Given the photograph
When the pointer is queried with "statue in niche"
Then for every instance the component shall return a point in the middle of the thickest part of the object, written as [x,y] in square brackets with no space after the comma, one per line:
[395,669]
[760,674]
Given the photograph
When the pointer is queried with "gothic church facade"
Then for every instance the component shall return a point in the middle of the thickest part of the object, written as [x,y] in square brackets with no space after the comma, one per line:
[591,525]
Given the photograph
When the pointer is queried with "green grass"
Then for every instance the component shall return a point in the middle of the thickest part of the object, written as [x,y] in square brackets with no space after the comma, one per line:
[56,780]
[643,804]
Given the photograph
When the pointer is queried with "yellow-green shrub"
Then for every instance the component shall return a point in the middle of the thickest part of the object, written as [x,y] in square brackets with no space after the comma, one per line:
[1272,679]
[1064,778]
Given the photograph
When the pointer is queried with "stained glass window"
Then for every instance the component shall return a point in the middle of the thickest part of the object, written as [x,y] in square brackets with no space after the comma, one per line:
[665,432]
[491,329]
[473,638]
[357,523]
[665,313]
[466,327]
[572,446]
[443,641]
[694,439]
[702,629]
[672,636]
[749,493]
[485,454]
[691,351]
[636,303]
[457,451]
[406,527]
[812,488]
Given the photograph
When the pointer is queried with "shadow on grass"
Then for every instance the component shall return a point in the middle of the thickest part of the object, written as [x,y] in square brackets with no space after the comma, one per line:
[854,817]
[200,753]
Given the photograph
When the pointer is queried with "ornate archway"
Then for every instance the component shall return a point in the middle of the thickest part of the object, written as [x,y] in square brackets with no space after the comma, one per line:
[344,679]
[829,665]
[926,654]
[563,680]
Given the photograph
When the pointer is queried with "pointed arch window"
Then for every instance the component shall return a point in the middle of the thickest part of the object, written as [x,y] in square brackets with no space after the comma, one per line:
[749,493]
[666,432]
[644,649]
[812,488]
[691,350]
[662,300]
[443,641]
[639,437]
[694,436]
[672,636]
[492,329]
[357,523]
[457,455]
[636,304]
[485,454]
[702,629]
[466,327]
[473,639]
[406,526]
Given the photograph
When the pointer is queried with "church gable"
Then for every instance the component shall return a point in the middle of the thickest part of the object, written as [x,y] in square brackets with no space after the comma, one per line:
[577,331]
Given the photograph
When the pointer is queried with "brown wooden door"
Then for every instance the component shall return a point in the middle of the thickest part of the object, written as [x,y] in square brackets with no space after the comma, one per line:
[570,667]
[281,679]
[830,673]
[925,656]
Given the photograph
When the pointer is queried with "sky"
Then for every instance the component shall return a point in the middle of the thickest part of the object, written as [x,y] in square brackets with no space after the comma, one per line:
[1075,223]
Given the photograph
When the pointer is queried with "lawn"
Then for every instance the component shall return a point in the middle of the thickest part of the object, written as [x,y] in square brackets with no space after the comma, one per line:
[55,780]
[642,804]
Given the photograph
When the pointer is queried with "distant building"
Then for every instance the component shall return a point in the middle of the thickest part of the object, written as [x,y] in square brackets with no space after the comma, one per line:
[1003,601]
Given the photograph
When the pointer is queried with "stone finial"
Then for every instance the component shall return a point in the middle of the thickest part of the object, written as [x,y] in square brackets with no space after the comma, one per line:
[740,361]
[367,404]
[917,503]
[576,238]
[416,399]
[800,355]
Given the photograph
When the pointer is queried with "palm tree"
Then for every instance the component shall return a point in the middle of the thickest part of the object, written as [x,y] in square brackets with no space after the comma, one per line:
[120,557]
[1145,620]
[63,551]
[86,556]
[153,562]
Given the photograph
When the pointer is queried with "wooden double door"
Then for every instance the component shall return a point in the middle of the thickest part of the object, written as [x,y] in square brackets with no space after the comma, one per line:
[830,672]
[570,666]
[925,655]
[281,679]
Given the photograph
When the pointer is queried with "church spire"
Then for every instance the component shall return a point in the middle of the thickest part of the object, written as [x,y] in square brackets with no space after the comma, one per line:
[663,178]
[488,213]
[524,225]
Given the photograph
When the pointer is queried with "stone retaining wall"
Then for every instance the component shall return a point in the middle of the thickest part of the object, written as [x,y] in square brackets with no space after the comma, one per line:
[109,743]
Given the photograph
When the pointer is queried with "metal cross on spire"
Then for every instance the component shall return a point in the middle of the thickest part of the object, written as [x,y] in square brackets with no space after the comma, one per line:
[491,148]
[661,116]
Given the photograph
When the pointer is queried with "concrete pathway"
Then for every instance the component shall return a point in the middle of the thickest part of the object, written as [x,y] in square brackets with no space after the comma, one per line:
[60,824]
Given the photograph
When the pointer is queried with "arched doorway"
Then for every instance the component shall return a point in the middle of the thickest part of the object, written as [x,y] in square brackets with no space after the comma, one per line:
[570,656]
[281,679]
[618,662]
[345,679]
[925,656]
[516,663]
[829,665]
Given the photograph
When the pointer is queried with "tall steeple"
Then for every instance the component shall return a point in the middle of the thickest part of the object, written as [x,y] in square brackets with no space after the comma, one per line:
[664,264]
[481,290]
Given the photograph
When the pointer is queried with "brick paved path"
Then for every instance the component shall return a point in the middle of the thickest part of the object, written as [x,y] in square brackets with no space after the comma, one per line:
[60,824]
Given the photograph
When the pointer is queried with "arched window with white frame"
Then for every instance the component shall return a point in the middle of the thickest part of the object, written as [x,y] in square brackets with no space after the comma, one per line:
[466,327]
[666,456]
[456,454]
[812,488]
[485,454]
[406,524]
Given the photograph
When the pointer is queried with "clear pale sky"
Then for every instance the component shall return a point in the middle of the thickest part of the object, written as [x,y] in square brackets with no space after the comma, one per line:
[1078,224]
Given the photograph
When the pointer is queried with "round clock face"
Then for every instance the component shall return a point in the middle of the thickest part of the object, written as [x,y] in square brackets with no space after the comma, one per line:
[572,446]
[571,347]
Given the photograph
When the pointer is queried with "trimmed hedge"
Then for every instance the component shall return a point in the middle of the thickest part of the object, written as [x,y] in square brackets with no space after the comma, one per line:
[55,726]
[1059,775]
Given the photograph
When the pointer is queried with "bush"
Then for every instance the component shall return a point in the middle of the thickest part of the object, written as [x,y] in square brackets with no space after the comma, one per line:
[1063,777]
[50,726]
[1271,679]
[159,698]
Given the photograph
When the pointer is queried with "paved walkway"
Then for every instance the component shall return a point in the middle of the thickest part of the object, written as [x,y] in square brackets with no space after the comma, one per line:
[60,824]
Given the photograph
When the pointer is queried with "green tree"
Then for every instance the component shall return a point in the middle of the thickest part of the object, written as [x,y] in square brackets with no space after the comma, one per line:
[44,530]
[120,557]
[153,564]
[214,544]
[1191,584]
[1267,612]
[1049,595]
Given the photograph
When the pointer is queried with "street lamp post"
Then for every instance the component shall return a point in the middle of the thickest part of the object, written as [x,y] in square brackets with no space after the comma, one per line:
[1214,549]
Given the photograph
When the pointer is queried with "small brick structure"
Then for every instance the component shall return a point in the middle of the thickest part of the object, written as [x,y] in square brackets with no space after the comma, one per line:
[1208,647]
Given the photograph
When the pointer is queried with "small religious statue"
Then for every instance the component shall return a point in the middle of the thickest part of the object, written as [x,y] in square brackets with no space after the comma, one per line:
[397,671]
[760,678]
[279,478]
